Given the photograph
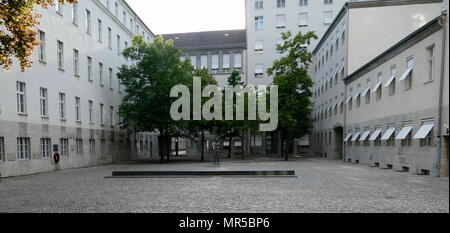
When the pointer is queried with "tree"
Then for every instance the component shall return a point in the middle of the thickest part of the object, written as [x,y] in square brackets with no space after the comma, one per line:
[294,85]
[19,38]
[154,68]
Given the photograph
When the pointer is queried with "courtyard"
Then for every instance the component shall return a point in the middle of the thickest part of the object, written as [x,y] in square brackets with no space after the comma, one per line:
[320,186]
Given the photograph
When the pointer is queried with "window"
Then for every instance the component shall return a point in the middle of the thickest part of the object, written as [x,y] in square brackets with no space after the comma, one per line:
[259,70]
[425,133]
[391,82]
[103,146]
[343,38]
[193,60]
[45,148]
[21,98]
[237,61]
[100,73]
[58,7]
[60,55]
[91,112]
[337,44]
[259,5]
[89,68]
[281,21]
[303,20]
[92,146]
[76,62]
[41,46]
[204,62]
[118,45]
[2,149]
[215,64]
[281,3]
[88,22]
[102,114]
[109,38]
[44,102]
[378,88]
[62,106]
[124,18]
[259,46]
[279,43]
[119,85]
[430,63]
[405,135]
[111,116]
[116,10]
[111,79]
[327,17]
[226,64]
[303,2]
[408,78]
[64,147]
[79,146]
[327,1]
[100,30]
[77,109]
[366,93]
[259,22]
[23,148]
[75,13]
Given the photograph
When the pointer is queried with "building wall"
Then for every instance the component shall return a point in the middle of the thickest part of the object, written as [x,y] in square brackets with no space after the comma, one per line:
[362,35]
[271,34]
[412,106]
[46,74]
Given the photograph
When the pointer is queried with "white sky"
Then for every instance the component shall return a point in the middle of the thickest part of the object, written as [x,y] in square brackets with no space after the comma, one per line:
[172,16]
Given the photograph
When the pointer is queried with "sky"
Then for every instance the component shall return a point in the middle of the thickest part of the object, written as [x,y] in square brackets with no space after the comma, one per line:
[173,16]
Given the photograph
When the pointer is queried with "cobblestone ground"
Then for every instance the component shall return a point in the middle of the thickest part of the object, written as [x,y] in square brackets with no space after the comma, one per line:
[320,186]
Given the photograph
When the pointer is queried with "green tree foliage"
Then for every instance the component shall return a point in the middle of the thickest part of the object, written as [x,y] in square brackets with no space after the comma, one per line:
[294,87]
[18,37]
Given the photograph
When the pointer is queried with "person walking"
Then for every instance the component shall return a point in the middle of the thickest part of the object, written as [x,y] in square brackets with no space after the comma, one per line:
[216,148]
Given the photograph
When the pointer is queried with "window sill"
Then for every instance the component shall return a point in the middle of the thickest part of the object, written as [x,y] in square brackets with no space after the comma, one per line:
[409,88]
[77,76]
[42,62]
[111,89]
[63,120]
[22,114]
[428,82]
[45,117]
[78,122]
[61,69]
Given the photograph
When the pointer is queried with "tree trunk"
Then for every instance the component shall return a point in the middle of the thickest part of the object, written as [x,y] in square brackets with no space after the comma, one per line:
[176,147]
[286,153]
[161,141]
[230,139]
[202,145]
[242,146]
[168,144]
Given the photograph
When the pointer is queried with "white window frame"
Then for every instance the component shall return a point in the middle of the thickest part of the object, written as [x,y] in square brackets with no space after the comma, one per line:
[43,94]
[91,111]
[64,147]
[88,22]
[45,148]
[41,47]
[303,22]
[77,109]
[76,62]
[60,54]
[21,97]
[23,148]
[75,14]
[62,106]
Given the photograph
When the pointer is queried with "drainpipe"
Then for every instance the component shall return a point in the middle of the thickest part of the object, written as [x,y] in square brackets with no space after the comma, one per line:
[344,133]
[442,22]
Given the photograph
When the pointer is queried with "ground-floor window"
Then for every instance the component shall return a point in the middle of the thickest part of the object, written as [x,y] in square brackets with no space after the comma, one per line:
[79,146]
[91,146]
[64,144]
[2,149]
[103,146]
[428,140]
[23,148]
[45,147]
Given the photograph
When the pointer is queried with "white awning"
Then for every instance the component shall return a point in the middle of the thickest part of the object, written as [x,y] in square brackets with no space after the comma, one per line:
[334,105]
[375,135]
[366,91]
[389,81]
[347,137]
[356,136]
[404,133]
[357,94]
[348,100]
[341,102]
[365,135]
[424,131]
[376,87]
[407,72]
[388,134]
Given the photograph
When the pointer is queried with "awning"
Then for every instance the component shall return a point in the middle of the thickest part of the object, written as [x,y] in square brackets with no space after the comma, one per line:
[407,72]
[347,137]
[376,87]
[341,102]
[365,135]
[389,81]
[348,100]
[334,105]
[366,91]
[328,109]
[388,134]
[404,133]
[375,135]
[424,131]
[357,94]
[356,136]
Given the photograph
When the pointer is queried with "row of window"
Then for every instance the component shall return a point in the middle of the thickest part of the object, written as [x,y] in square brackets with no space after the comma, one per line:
[333,49]
[21,93]
[45,147]
[302,20]
[201,62]
[259,4]
[76,62]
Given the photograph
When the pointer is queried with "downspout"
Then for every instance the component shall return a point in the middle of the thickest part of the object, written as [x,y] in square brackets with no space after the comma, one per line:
[441,22]
[344,133]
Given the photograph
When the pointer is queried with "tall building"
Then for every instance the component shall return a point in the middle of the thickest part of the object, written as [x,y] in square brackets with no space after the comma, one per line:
[68,101]
[267,19]
[220,52]
[360,32]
